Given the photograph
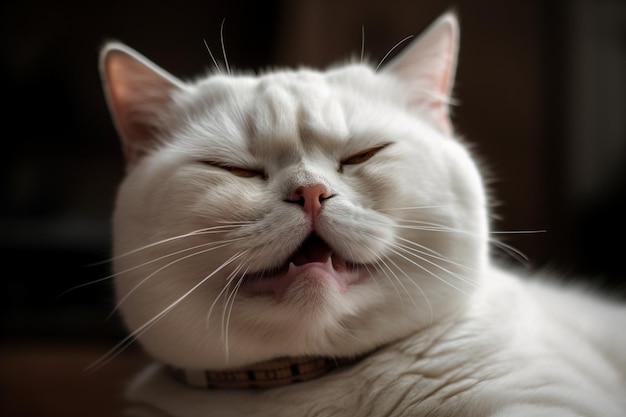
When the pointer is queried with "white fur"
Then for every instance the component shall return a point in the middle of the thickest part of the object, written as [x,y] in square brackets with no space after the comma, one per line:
[509,354]
[455,335]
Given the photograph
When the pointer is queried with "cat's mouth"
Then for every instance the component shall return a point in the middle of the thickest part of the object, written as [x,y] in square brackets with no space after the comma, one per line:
[314,259]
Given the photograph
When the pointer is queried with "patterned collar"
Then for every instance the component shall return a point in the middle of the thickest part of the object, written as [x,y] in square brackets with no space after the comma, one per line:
[268,374]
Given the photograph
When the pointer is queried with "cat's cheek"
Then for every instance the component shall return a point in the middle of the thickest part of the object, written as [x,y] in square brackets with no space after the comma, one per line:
[360,235]
[224,199]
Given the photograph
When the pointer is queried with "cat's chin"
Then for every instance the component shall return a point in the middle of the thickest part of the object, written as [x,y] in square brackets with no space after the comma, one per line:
[312,268]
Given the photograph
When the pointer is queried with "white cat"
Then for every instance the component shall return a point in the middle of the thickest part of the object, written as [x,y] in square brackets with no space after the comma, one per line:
[305,243]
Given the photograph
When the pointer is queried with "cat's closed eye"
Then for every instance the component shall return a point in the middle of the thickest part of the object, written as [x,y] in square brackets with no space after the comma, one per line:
[237,171]
[362,156]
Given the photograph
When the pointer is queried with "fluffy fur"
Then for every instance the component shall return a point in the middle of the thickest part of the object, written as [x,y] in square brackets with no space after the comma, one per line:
[212,212]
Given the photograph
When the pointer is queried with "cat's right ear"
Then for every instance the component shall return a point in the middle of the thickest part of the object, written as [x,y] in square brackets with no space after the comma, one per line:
[137,90]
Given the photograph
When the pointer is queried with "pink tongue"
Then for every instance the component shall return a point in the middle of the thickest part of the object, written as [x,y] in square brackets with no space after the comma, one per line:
[313,257]
[313,249]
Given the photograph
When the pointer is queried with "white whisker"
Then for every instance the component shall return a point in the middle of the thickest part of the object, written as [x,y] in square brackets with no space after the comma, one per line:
[460,277]
[212,57]
[437,257]
[391,50]
[223,48]
[143,281]
[219,295]
[417,208]
[118,348]
[511,251]
[416,285]
[178,252]
[399,281]
[383,267]
[410,279]
[427,226]
[110,276]
[230,300]
[362,42]
[423,268]
[206,230]
[430,226]
[517,232]
[432,252]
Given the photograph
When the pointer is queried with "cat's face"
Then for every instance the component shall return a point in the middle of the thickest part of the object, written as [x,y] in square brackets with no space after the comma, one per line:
[294,213]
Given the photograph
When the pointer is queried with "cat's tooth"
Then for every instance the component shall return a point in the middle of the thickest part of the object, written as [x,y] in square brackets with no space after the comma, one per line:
[292,266]
[329,263]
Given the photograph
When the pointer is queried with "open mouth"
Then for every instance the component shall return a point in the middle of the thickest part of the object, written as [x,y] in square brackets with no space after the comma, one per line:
[314,258]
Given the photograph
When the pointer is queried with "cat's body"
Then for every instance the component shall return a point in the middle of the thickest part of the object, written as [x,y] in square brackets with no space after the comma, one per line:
[517,351]
[334,215]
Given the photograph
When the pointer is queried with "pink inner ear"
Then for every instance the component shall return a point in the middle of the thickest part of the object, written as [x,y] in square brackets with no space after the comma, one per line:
[441,117]
[143,134]
[428,65]
[137,91]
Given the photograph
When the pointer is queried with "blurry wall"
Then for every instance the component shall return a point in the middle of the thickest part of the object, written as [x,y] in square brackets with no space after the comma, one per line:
[541,89]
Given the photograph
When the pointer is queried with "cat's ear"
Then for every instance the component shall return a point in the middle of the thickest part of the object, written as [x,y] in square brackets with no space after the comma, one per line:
[137,90]
[428,67]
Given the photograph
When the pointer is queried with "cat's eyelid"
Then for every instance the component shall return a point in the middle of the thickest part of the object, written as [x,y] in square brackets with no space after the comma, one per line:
[235,170]
[362,156]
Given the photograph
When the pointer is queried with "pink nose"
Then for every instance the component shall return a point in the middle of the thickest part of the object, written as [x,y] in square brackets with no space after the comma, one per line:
[310,197]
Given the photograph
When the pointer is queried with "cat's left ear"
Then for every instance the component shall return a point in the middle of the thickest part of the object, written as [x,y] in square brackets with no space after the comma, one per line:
[428,67]
[137,91]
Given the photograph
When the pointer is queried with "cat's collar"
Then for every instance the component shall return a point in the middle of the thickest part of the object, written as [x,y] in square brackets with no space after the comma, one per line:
[269,374]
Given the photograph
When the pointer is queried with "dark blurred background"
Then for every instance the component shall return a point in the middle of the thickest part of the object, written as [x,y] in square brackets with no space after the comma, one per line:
[542,93]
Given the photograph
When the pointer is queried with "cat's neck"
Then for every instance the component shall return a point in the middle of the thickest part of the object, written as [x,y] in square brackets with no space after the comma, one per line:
[267,374]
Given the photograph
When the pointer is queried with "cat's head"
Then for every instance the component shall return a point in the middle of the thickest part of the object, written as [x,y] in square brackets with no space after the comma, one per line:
[292,213]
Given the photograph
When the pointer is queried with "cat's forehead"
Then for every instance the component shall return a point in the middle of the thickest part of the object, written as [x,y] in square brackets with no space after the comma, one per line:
[292,110]
[300,105]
